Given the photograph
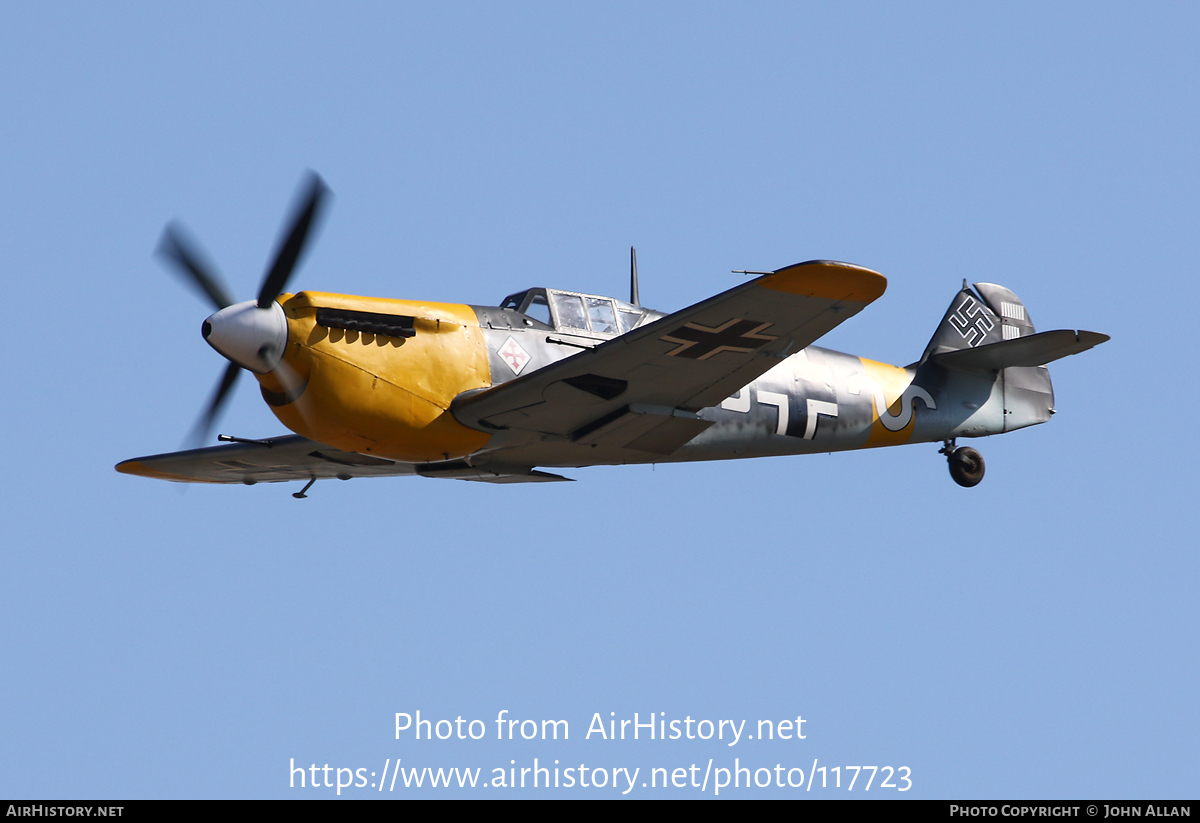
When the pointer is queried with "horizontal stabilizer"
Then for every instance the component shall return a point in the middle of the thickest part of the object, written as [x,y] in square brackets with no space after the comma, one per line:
[1034,350]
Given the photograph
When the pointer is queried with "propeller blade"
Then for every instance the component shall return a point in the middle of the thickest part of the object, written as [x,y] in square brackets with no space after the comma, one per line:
[191,264]
[292,247]
[205,423]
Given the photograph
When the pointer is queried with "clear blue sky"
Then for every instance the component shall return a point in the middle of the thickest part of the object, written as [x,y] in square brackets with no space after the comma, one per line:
[1032,637]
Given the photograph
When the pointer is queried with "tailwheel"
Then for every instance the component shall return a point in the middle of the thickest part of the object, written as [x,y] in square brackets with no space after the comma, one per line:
[966,466]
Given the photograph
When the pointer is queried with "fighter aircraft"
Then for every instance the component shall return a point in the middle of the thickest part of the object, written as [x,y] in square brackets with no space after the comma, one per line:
[552,378]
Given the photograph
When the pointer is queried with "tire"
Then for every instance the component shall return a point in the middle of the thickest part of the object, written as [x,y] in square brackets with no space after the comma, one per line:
[966,466]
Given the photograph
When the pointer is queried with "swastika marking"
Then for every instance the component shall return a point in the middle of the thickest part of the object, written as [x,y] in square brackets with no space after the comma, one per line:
[971,320]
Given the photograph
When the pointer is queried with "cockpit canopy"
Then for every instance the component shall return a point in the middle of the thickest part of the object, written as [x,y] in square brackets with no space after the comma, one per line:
[572,311]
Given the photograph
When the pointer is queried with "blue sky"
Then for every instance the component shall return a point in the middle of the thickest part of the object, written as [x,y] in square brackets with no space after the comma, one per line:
[1032,637]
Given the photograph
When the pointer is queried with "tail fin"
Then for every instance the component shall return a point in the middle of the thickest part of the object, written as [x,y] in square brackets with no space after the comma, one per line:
[991,314]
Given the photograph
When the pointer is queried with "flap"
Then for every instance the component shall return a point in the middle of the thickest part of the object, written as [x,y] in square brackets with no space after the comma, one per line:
[488,473]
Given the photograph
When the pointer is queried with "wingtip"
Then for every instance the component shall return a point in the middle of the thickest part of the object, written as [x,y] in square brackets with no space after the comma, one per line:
[137,467]
[130,467]
[829,279]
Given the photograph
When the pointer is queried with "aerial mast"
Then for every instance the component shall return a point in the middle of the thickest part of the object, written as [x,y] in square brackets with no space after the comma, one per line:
[633,281]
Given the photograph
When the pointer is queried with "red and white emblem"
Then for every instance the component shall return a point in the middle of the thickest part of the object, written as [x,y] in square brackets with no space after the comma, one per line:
[515,356]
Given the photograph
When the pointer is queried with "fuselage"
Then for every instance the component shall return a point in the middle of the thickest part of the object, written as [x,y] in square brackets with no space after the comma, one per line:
[379,377]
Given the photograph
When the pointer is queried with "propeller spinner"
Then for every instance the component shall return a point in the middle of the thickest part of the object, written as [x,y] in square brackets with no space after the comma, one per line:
[251,335]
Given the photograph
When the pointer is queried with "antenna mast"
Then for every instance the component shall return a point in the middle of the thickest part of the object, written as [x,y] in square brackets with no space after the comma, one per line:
[633,281]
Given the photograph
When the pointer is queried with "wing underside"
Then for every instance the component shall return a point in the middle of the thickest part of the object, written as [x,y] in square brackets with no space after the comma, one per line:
[293,457]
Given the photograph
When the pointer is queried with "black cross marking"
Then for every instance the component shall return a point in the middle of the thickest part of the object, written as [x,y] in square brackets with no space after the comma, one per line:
[698,342]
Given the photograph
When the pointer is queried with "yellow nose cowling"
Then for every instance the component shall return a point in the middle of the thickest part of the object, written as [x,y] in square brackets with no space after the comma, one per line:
[376,393]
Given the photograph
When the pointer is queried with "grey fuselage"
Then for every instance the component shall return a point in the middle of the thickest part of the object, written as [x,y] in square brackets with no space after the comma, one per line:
[816,400]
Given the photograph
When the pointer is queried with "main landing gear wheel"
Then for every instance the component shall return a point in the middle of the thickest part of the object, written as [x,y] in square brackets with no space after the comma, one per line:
[966,466]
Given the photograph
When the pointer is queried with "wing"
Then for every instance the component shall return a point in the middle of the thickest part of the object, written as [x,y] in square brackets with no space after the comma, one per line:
[297,458]
[642,390]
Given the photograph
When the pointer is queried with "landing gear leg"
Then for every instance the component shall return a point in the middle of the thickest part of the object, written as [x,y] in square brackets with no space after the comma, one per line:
[966,464]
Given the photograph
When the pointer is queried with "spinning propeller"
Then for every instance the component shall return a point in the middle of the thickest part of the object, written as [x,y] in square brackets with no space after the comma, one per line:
[250,335]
